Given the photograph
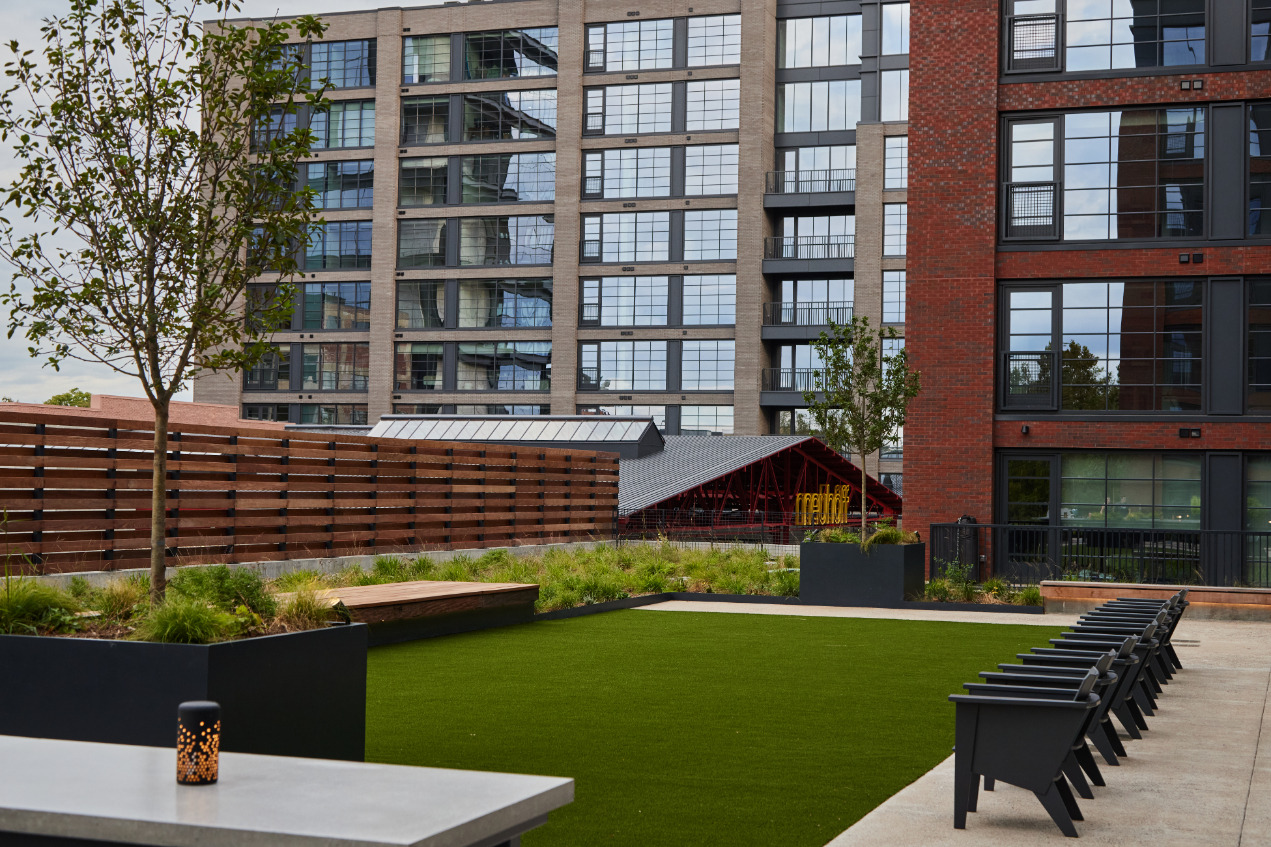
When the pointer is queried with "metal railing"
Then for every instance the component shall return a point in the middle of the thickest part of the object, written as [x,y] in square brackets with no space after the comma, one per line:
[807,314]
[589,314]
[808,182]
[1023,554]
[589,379]
[593,186]
[790,379]
[1032,43]
[1028,379]
[810,247]
[594,124]
[740,526]
[591,250]
[1031,209]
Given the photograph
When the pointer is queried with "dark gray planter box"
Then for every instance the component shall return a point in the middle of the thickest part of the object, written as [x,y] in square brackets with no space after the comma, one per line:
[297,694]
[843,575]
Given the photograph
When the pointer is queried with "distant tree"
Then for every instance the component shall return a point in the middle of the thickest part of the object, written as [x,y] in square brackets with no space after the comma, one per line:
[1084,384]
[7,399]
[155,135]
[74,397]
[862,392]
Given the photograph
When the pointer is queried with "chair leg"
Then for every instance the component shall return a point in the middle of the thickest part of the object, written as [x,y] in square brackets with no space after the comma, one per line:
[1070,802]
[1072,770]
[1136,712]
[962,791]
[973,802]
[1054,804]
[1110,733]
[1086,759]
[1099,738]
[1126,717]
[1173,656]
[989,783]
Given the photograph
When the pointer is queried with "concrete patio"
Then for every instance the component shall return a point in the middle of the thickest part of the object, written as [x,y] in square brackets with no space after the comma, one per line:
[1200,776]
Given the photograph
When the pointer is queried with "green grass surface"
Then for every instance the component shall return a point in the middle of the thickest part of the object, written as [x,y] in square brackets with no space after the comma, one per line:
[686,728]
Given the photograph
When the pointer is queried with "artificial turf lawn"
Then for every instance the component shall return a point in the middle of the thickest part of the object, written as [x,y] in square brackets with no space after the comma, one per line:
[684,728]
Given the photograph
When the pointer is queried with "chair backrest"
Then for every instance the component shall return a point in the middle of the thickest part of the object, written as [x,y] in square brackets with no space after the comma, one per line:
[1149,631]
[1087,685]
[1162,616]
[1127,646]
[1105,662]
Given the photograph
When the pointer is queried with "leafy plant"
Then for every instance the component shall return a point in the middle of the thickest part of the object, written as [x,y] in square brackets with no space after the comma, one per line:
[180,619]
[837,535]
[1029,595]
[226,589]
[939,590]
[998,589]
[120,599]
[74,397]
[304,610]
[29,606]
[889,535]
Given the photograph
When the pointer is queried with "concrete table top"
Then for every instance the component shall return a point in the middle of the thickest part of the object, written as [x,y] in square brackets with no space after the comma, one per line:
[126,794]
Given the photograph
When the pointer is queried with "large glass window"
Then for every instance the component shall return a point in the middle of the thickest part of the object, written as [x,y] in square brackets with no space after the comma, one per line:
[628,109]
[421,243]
[630,45]
[825,168]
[331,414]
[1123,346]
[336,305]
[505,302]
[512,240]
[710,235]
[505,366]
[817,237]
[509,178]
[342,64]
[622,366]
[896,161]
[346,123]
[893,297]
[335,366]
[627,172]
[895,228]
[278,124]
[342,185]
[818,106]
[1259,346]
[710,169]
[1132,490]
[812,302]
[1261,30]
[893,102]
[418,367]
[267,412]
[425,119]
[819,42]
[710,300]
[423,182]
[340,244]
[625,301]
[1137,173]
[1258,494]
[658,413]
[425,58]
[706,420]
[272,372]
[713,104]
[510,53]
[1106,34]
[501,409]
[627,237]
[421,304]
[496,115]
[797,368]
[896,28]
[714,40]
[1260,169]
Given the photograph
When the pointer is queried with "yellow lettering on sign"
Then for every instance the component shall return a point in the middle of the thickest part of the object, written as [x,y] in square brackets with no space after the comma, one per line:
[829,505]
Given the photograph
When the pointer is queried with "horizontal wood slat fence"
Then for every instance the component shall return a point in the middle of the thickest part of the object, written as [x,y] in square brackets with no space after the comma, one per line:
[76,494]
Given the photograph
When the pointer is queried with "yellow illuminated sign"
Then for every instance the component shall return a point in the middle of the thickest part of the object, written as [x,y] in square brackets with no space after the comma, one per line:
[829,505]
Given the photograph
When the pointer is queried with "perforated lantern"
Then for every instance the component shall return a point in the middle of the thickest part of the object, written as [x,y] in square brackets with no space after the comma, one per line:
[198,742]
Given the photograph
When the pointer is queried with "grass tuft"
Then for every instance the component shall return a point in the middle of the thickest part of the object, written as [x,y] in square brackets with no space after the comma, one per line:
[28,607]
[182,619]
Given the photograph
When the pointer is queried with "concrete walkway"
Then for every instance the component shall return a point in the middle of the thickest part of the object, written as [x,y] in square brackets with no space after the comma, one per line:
[1200,776]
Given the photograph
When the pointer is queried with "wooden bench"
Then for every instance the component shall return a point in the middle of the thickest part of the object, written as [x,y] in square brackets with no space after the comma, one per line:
[404,611]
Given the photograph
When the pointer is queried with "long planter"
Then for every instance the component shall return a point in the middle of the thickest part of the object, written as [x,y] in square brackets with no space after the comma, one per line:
[844,575]
[298,694]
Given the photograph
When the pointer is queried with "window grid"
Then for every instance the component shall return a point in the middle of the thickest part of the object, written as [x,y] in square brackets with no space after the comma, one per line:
[506,240]
[335,366]
[714,40]
[336,305]
[895,228]
[1139,490]
[1259,222]
[894,99]
[706,420]
[622,366]
[1259,353]
[893,297]
[346,123]
[628,109]
[423,182]
[707,365]
[511,54]
[278,124]
[505,366]
[628,237]
[818,106]
[425,58]
[331,414]
[421,243]
[505,302]
[504,115]
[425,120]
[342,64]
[340,244]
[421,304]
[713,104]
[272,372]
[710,300]
[896,161]
[710,169]
[342,185]
[509,178]
[622,172]
[625,301]
[1155,33]
[895,29]
[630,45]
[418,367]
[1260,31]
[658,413]
[821,42]
[710,235]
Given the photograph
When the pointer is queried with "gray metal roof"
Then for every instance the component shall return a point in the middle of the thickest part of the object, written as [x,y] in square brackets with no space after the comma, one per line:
[689,460]
[625,435]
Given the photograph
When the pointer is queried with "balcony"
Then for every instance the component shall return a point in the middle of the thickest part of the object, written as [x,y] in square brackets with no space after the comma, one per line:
[785,386]
[1032,43]
[1030,210]
[814,254]
[802,321]
[800,189]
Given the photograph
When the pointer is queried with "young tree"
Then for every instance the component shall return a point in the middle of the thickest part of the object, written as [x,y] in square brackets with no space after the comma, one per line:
[158,147]
[74,397]
[862,392]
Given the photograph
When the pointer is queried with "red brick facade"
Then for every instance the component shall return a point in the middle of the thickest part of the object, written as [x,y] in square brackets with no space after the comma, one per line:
[956,99]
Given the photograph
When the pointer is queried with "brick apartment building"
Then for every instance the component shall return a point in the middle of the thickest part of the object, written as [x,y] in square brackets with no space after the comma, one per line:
[538,206]
[1091,269]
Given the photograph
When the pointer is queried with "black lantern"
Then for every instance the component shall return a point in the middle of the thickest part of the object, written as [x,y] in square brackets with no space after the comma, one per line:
[198,742]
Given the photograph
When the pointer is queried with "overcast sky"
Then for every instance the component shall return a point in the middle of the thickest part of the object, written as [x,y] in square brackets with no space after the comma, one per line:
[21,377]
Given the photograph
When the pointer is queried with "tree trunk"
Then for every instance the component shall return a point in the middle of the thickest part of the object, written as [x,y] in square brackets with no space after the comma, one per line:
[864,513]
[159,504]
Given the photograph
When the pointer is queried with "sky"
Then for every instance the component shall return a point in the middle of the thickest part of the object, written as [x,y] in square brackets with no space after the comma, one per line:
[21,377]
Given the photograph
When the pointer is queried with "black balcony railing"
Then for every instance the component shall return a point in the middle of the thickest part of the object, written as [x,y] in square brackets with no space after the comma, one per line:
[589,314]
[593,186]
[1023,554]
[810,247]
[1031,210]
[591,251]
[790,379]
[806,314]
[595,60]
[808,182]
[1033,43]
[1028,379]
[589,379]
[594,124]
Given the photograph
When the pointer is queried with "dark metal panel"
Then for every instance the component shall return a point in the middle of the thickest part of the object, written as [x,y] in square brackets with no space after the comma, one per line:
[675,300]
[675,250]
[1223,504]
[1224,347]
[672,420]
[451,318]
[449,366]
[1228,173]
[674,365]
[679,106]
[679,43]
[1228,32]
[678,176]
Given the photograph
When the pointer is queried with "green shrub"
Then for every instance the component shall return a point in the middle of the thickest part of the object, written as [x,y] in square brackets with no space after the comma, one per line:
[390,569]
[939,590]
[1029,595]
[304,610]
[965,592]
[785,583]
[120,599]
[181,619]
[995,587]
[225,589]
[28,606]
[889,535]
[295,580]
